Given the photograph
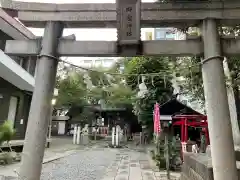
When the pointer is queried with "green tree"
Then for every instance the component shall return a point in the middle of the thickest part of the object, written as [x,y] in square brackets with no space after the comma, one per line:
[190,69]
[85,117]
[106,85]
[72,90]
[157,82]
[120,95]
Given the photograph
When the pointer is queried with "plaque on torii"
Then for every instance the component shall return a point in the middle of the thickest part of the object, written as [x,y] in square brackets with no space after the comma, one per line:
[129,27]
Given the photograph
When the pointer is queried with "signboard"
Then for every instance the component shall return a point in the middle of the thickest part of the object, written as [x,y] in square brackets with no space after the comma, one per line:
[128,21]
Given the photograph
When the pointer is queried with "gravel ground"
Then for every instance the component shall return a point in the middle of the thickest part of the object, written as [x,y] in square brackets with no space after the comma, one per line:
[84,165]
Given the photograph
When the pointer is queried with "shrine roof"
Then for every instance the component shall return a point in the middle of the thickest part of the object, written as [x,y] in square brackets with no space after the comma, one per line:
[175,107]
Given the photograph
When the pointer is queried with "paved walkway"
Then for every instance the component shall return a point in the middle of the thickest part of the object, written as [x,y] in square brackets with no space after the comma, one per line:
[132,165]
[59,148]
[94,162]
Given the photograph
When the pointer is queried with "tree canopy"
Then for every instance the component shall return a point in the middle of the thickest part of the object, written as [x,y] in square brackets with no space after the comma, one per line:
[157,73]
[190,69]
[76,90]
[118,88]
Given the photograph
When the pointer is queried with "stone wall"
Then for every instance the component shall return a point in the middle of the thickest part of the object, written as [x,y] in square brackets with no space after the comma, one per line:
[197,167]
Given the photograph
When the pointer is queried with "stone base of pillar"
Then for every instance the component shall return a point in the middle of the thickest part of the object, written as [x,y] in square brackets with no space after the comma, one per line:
[199,167]
[85,139]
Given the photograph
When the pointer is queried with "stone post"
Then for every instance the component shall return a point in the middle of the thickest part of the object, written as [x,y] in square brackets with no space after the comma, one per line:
[75,135]
[35,139]
[232,105]
[113,136]
[219,124]
[78,134]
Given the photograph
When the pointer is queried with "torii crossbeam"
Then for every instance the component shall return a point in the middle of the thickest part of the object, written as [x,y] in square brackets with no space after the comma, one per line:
[181,13]
[129,16]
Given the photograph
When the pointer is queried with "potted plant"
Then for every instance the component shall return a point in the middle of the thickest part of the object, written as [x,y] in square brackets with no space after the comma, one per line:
[6,134]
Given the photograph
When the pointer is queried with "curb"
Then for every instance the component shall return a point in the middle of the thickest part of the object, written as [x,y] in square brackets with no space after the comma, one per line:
[68,153]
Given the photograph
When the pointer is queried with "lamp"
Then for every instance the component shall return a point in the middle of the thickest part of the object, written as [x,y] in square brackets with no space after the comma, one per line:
[1,96]
[50,122]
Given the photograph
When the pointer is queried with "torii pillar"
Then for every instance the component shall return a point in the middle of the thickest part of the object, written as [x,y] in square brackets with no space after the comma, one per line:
[36,133]
[219,123]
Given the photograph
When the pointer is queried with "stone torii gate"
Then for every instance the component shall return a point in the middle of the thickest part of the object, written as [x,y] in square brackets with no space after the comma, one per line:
[125,15]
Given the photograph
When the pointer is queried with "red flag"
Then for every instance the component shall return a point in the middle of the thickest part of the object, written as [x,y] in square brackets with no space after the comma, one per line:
[157,124]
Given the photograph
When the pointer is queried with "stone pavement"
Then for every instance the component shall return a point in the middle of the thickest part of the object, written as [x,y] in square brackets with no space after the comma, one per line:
[60,147]
[132,165]
[13,169]
[95,162]
[85,164]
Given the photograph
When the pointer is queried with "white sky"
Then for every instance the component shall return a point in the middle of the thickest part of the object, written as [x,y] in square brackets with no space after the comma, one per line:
[103,34]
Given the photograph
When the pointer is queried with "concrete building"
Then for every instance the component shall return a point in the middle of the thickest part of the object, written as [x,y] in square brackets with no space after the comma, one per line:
[16,76]
[91,62]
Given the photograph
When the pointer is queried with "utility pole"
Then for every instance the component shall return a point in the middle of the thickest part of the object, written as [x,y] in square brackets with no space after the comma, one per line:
[219,124]
[38,120]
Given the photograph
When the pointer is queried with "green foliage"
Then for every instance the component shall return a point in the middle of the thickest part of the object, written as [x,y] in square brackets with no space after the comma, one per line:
[192,84]
[72,90]
[86,117]
[110,89]
[173,147]
[7,131]
[121,95]
[190,69]
[158,85]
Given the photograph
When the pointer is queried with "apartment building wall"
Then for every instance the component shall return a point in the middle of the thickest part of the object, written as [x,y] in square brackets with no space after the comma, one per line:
[23,100]
[16,77]
[97,62]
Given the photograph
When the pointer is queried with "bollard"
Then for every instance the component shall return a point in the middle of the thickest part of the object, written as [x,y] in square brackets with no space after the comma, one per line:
[74,135]
[184,149]
[78,134]
[113,136]
[141,138]
[117,137]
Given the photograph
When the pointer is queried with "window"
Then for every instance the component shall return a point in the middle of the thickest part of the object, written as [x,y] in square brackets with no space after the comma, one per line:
[164,33]
[160,34]
[98,63]
[108,62]
[170,36]
[12,111]
[148,35]
[87,63]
